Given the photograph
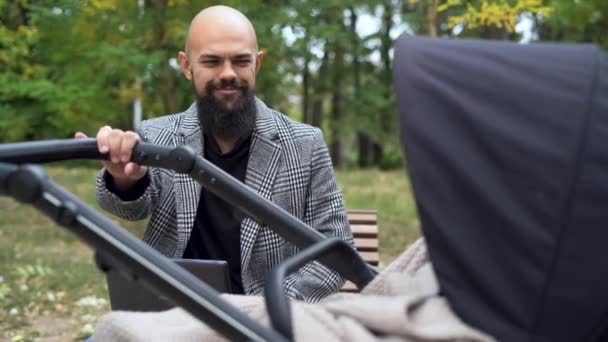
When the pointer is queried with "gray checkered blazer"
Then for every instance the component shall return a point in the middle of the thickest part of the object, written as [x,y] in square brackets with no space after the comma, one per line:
[288,163]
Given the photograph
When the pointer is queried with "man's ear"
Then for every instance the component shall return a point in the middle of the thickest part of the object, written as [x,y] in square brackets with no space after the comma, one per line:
[184,64]
[258,61]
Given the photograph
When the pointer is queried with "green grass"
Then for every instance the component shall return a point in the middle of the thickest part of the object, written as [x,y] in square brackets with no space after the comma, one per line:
[389,193]
[45,271]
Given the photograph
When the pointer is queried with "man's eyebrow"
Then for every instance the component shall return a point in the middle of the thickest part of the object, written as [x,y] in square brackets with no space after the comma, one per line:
[208,56]
[242,56]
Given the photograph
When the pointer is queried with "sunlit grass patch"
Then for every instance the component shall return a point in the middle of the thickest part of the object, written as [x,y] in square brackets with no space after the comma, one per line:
[390,194]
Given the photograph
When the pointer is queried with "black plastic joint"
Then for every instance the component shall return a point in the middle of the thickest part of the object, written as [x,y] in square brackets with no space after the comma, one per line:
[25,184]
[185,158]
[5,171]
[66,216]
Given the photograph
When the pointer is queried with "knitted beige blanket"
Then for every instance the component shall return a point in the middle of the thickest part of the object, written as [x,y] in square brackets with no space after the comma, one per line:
[400,304]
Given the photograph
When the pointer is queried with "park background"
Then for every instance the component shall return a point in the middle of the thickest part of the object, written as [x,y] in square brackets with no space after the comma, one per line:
[69,65]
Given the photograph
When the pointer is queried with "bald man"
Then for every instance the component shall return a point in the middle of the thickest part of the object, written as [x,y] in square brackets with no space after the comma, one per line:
[284,161]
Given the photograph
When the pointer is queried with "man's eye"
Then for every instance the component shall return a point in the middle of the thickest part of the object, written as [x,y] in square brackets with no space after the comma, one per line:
[210,63]
[242,62]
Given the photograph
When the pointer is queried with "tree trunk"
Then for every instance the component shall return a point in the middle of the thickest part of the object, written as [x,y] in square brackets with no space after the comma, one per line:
[365,149]
[306,115]
[363,140]
[386,44]
[167,76]
[316,115]
[377,153]
[336,108]
[316,110]
[431,18]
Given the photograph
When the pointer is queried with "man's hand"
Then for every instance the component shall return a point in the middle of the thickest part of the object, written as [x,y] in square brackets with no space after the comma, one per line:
[119,145]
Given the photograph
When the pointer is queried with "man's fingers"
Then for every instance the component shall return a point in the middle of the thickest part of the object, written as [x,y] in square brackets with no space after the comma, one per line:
[134,171]
[119,145]
[115,142]
[102,139]
[129,139]
[130,169]
[79,135]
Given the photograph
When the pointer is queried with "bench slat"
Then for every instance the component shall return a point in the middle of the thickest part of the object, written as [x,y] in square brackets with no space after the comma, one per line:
[363,244]
[362,218]
[364,230]
[361,211]
[370,257]
[364,226]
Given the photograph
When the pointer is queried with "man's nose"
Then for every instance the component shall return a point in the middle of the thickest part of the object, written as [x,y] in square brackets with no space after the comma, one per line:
[227,72]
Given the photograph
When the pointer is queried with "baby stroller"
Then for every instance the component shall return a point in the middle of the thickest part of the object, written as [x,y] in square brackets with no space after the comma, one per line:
[504,146]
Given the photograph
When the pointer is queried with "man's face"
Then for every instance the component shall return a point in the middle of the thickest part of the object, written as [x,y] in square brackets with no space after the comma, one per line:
[228,75]
[224,83]
[222,61]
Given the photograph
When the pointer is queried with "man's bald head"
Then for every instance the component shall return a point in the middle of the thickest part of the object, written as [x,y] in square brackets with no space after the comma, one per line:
[220,22]
[222,61]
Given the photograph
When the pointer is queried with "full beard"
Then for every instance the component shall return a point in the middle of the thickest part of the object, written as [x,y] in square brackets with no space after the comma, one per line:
[223,122]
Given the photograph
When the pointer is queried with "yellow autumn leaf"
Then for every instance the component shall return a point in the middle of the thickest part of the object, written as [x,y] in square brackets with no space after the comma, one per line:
[496,13]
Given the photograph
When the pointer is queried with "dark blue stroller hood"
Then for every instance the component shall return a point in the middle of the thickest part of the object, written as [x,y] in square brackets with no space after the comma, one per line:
[507,148]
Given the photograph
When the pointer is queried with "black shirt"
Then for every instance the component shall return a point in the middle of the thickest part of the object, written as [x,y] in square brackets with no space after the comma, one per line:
[217,229]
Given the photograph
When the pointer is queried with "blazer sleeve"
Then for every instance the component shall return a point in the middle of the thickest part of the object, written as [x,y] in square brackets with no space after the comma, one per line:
[136,209]
[326,213]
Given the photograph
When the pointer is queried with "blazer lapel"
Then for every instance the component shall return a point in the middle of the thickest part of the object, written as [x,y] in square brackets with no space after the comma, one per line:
[264,161]
[187,191]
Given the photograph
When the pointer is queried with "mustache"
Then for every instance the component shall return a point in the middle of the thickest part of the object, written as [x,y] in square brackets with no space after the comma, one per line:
[228,84]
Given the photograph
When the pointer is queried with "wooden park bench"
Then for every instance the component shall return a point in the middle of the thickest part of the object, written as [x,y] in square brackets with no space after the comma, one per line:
[364,225]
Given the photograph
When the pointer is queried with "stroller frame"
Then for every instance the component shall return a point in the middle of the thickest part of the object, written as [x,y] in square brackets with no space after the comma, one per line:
[118,249]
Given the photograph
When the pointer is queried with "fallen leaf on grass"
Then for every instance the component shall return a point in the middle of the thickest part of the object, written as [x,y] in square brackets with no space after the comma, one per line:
[86,331]
[92,301]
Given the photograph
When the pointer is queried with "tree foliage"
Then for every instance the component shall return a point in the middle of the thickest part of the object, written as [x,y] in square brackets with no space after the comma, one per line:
[576,21]
[68,65]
